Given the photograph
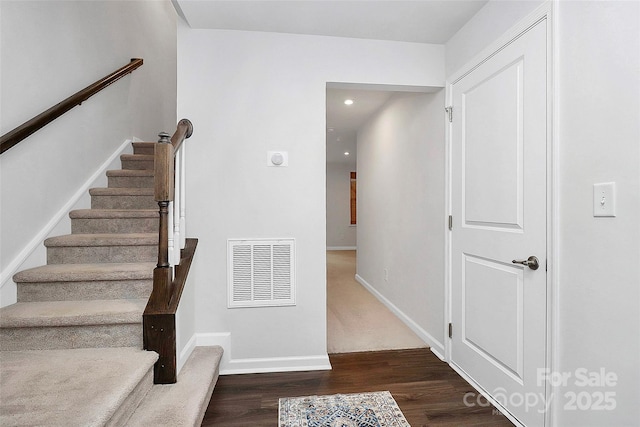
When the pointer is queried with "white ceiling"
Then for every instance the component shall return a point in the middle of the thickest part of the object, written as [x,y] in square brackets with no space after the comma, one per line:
[426,21]
[421,21]
[343,121]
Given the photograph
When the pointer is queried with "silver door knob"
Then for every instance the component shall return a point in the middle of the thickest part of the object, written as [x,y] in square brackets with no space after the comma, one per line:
[531,262]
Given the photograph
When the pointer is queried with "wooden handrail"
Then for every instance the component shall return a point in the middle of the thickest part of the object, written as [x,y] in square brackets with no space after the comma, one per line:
[183,131]
[13,137]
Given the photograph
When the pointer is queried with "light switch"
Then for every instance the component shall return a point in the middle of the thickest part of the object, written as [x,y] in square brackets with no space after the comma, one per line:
[604,199]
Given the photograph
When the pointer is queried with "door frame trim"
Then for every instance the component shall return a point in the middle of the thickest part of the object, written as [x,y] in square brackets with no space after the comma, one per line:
[547,11]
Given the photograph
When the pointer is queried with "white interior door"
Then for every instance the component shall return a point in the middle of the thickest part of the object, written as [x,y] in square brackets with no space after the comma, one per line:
[498,200]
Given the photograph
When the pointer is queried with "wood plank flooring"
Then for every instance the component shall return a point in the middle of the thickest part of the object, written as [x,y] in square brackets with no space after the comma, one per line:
[427,390]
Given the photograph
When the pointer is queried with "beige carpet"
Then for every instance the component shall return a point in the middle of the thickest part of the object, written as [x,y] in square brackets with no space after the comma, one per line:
[356,320]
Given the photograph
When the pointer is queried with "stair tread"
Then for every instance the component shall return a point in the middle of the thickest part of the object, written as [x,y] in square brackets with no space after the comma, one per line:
[118,191]
[102,239]
[72,313]
[113,213]
[42,387]
[86,272]
[166,405]
[131,172]
[141,157]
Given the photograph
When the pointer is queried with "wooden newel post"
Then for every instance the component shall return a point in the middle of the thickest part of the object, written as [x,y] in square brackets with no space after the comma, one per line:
[163,190]
[159,318]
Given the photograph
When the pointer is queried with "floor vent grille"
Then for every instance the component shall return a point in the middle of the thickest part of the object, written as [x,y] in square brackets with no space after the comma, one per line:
[261,273]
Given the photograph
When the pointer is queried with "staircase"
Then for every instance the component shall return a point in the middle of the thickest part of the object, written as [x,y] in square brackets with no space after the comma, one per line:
[71,347]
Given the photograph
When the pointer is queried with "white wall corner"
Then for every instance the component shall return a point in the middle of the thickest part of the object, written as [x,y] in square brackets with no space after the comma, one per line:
[436,346]
[223,339]
[7,285]
[186,352]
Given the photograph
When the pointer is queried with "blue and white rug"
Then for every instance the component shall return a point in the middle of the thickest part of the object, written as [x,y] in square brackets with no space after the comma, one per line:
[377,409]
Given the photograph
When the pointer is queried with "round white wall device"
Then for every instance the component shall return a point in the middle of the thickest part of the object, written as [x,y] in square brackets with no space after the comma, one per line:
[277,159]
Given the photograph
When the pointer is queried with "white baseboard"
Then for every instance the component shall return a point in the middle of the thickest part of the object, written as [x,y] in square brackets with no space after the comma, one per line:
[437,353]
[437,347]
[277,364]
[13,267]
[230,366]
[341,248]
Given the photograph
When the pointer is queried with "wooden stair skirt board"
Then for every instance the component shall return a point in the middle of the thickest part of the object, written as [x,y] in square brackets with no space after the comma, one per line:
[78,320]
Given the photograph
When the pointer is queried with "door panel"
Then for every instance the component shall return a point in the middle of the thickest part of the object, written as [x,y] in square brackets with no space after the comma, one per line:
[498,200]
[494,330]
[499,131]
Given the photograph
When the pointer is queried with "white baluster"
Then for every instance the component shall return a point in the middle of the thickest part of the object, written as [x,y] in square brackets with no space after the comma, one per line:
[175,255]
[170,234]
[183,198]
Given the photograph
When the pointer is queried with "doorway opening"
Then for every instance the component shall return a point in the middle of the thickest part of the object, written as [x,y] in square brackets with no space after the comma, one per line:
[359,317]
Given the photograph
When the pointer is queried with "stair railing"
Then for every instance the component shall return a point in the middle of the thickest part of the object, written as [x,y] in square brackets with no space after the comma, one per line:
[174,250]
[16,135]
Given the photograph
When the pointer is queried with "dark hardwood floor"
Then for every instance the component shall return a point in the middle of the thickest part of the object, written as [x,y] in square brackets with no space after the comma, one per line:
[427,390]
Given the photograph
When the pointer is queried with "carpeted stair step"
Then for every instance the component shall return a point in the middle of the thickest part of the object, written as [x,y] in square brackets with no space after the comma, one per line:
[82,387]
[82,282]
[88,221]
[122,198]
[137,161]
[165,405]
[105,248]
[71,324]
[130,178]
[144,147]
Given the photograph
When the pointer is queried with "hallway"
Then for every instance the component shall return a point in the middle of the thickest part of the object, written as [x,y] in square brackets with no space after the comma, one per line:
[356,320]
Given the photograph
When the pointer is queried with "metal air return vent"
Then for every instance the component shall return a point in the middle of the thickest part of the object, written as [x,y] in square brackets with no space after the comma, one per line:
[261,272]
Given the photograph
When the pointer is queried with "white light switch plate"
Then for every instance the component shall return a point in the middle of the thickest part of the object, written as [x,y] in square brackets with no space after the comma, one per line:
[604,199]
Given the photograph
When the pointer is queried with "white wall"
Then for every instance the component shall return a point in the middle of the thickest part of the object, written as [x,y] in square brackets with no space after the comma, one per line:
[50,50]
[493,20]
[598,136]
[340,232]
[247,93]
[599,259]
[401,160]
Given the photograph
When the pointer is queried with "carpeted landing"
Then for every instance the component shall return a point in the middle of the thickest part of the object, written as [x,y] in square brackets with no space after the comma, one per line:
[67,387]
[356,320]
[102,387]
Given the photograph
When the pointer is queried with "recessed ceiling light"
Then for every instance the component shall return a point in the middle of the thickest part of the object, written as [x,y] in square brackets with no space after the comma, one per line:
[346,153]
[348,102]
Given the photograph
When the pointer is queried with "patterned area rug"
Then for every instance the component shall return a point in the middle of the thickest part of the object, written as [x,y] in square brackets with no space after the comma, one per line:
[377,409]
